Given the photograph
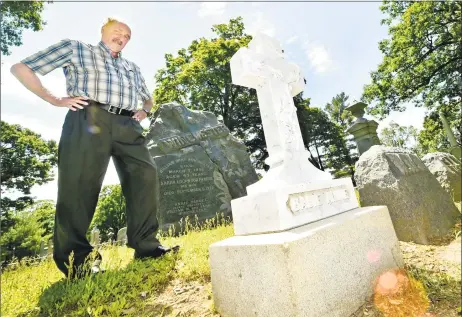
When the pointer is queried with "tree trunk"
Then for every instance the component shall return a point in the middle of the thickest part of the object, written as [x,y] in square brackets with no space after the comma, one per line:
[226,118]
[319,157]
[313,160]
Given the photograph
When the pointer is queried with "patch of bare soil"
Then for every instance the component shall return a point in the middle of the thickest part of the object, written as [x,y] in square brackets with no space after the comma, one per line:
[183,299]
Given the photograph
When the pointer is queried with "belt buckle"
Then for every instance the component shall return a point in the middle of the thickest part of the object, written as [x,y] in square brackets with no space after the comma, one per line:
[116,109]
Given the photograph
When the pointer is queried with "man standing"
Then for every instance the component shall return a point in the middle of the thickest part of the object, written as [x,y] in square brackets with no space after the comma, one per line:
[102,122]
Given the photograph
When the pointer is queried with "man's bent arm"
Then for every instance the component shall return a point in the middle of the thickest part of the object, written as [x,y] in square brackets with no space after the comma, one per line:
[31,81]
[147,105]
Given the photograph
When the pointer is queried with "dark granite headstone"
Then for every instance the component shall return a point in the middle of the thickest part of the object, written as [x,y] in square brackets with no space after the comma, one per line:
[201,165]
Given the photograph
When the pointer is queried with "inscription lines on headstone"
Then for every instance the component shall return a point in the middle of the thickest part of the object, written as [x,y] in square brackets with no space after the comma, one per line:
[405,164]
[194,189]
[186,180]
[189,207]
[191,138]
[305,202]
[337,195]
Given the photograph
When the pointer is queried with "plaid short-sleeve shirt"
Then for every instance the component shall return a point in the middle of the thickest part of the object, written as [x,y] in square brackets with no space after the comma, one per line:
[91,71]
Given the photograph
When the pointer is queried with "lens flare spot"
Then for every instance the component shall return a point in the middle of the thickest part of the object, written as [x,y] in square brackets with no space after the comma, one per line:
[397,294]
[373,256]
[387,282]
[93,129]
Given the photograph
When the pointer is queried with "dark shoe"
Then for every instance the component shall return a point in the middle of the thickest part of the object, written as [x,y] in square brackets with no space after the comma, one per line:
[85,271]
[96,269]
[157,252]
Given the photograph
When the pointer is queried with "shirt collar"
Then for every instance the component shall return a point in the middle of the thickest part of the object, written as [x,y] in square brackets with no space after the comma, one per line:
[107,49]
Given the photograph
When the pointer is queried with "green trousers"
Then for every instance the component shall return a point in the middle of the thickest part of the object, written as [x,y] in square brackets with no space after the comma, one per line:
[90,137]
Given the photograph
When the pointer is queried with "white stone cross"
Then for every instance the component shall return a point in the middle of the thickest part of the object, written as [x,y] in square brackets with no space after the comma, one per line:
[262,66]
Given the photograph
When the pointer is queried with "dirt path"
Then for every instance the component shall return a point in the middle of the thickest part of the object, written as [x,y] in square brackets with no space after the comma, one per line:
[452,252]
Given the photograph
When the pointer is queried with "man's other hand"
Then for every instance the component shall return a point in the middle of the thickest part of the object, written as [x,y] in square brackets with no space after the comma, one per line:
[140,115]
[73,103]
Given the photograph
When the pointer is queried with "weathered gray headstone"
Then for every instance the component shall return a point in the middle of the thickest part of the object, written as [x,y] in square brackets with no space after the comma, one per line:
[110,237]
[201,165]
[447,170]
[421,210]
[94,239]
[122,236]
[50,247]
[47,249]
[43,249]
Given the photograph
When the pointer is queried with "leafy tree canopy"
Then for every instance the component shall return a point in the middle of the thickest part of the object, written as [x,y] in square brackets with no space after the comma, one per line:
[422,59]
[18,16]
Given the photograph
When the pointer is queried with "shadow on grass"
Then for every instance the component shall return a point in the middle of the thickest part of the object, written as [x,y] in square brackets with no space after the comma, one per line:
[113,293]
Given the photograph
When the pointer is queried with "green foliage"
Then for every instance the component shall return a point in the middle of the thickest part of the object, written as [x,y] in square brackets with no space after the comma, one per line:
[199,77]
[396,135]
[27,160]
[18,16]
[8,206]
[422,58]
[324,137]
[43,212]
[22,239]
[337,113]
[110,215]
[433,137]
[27,229]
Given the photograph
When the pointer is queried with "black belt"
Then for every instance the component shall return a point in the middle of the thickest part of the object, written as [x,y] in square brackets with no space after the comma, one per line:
[112,109]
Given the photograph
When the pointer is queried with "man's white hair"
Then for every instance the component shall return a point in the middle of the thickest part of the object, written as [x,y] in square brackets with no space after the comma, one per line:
[112,20]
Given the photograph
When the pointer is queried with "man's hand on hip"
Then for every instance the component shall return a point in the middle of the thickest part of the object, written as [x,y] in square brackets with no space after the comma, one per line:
[73,103]
[140,115]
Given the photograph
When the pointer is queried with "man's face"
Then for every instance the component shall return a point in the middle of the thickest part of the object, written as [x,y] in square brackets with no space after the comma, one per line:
[116,35]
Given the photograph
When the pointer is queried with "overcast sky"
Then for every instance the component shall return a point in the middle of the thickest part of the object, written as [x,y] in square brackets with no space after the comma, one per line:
[335,44]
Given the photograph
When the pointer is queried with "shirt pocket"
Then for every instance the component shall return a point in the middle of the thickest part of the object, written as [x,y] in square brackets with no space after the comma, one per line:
[90,65]
[130,75]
